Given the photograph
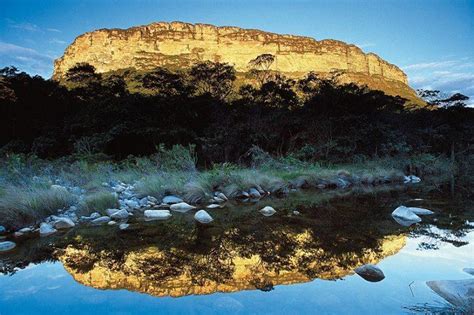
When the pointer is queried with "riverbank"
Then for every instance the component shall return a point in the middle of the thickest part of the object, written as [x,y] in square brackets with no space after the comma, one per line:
[34,191]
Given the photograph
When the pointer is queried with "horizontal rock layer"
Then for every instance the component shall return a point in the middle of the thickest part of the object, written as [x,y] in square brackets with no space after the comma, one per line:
[180,45]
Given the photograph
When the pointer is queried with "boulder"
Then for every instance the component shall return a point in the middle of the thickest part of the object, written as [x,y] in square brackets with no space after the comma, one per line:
[254,193]
[120,215]
[405,214]
[203,217]
[457,292]
[63,223]
[370,273]
[101,220]
[171,199]
[181,207]
[132,204]
[157,214]
[46,229]
[111,223]
[267,211]
[6,246]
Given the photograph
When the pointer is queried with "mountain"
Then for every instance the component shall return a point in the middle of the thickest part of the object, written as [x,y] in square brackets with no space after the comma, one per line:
[179,45]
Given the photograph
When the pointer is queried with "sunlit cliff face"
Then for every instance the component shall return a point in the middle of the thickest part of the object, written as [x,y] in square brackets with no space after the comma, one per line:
[210,259]
[179,45]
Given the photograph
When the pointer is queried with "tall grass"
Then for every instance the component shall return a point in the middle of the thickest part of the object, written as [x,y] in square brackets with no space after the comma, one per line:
[99,202]
[19,206]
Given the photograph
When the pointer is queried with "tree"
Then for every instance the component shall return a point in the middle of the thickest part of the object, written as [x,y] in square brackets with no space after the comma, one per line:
[83,75]
[260,67]
[441,99]
[214,78]
[166,83]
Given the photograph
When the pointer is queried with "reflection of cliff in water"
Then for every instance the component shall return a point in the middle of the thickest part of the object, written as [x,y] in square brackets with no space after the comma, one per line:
[178,257]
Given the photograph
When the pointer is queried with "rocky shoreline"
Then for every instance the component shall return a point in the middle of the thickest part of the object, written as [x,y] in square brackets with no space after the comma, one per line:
[132,205]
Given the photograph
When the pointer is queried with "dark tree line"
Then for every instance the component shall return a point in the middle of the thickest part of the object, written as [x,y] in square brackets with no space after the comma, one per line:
[132,112]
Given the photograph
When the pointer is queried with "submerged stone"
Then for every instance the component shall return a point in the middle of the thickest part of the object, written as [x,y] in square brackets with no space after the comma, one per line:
[457,292]
[420,211]
[63,223]
[123,226]
[405,214]
[46,229]
[203,217]
[6,246]
[213,206]
[101,220]
[268,211]
[2,229]
[121,214]
[157,214]
[171,199]
[370,273]
[181,207]
[254,193]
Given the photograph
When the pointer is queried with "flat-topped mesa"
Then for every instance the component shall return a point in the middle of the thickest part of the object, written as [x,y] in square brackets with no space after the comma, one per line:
[180,44]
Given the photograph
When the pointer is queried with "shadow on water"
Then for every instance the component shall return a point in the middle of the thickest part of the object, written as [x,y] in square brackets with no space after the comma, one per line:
[333,233]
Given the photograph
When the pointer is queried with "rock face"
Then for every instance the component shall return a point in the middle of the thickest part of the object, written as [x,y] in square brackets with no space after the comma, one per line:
[179,45]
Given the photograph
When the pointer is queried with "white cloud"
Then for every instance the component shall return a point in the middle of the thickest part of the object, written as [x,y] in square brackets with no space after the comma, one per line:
[26,59]
[450,76]
[57,41]
[55,30]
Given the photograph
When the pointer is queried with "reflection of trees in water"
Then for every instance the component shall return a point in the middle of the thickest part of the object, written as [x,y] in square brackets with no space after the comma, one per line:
[327,240]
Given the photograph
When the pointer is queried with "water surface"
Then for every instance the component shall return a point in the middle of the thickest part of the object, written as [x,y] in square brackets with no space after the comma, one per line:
[247,263]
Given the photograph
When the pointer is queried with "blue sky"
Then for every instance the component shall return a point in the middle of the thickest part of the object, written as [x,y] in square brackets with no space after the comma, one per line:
[433,41]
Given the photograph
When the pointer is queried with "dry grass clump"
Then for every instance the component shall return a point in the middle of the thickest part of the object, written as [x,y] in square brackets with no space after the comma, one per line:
[99,202]
[19,206]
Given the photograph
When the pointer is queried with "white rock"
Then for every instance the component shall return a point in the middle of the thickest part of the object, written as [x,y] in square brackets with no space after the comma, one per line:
[254,193]
[112,223]
[405,214]
[222,196]
[120,215]
[296,212]
[268,211]
[46,229]
[101,220]
[172,199]
[213,206]
[218,200]
[63,223]
[132,204]
[203,217]
[109,212]
[94,215]
[420,211]
[157,214]
[457,292]
[6,246]
[25,230]
[370,273]
[181,207]
[124,226]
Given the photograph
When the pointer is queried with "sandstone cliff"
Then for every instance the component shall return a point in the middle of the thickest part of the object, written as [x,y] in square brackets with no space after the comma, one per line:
[179,44]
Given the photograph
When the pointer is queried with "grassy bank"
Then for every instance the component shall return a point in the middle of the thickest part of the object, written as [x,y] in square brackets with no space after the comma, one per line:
[29,186]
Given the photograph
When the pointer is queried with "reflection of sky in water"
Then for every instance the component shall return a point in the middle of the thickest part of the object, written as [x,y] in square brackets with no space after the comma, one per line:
[49,289]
